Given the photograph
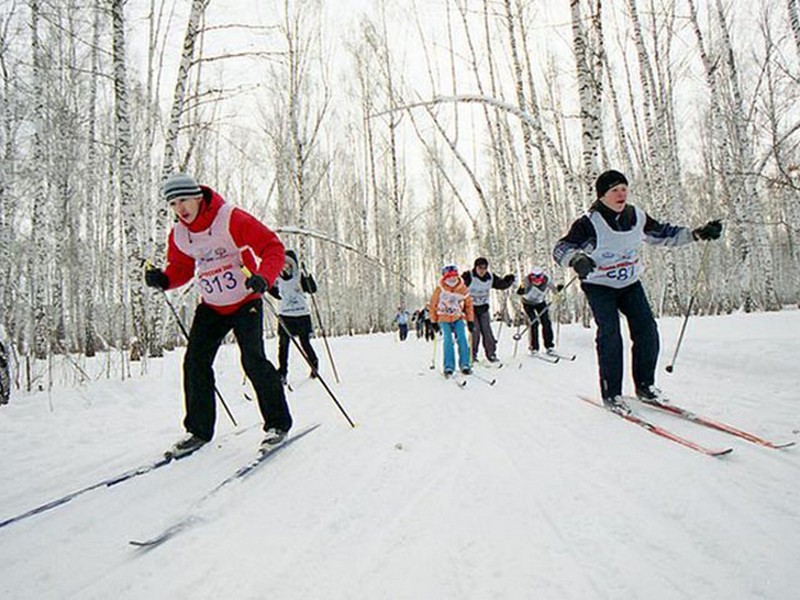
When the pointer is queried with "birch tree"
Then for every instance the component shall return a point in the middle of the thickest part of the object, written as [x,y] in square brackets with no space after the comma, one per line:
[131,224]
[39,260]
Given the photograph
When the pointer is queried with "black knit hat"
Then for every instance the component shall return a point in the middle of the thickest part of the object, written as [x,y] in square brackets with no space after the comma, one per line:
[180,185]
[608,180]
[480,262]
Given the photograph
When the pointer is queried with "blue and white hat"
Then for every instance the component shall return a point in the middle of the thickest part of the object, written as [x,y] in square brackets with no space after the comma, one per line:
[449,269]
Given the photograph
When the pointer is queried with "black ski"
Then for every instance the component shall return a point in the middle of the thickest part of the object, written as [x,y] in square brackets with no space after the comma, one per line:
[192,518]
[560,356]
[461,383]
[110,481]
[479,377]
[548,358]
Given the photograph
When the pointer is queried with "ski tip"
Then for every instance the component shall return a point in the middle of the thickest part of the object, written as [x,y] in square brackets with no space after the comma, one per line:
[723,452]
[784,445]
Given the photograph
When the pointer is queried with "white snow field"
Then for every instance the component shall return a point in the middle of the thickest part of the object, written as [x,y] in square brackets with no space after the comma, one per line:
[518,490]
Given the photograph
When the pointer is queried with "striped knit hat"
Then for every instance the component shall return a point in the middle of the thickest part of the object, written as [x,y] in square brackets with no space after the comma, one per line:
[180,185]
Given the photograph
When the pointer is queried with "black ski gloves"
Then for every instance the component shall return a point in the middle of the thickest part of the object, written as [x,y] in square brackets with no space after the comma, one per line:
[509,279]
[471,326]
[155,278]
[710,231]
[559,287]
[308,284]
[256,283]
[582,264]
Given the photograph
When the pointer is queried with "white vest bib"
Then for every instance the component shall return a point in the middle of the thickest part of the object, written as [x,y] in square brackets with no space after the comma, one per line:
[617,252]
[480,290]
[450,303]
[217,260]
[535,295]
[293,300]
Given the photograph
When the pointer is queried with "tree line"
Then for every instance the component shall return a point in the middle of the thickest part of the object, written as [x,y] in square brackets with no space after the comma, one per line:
[417,135]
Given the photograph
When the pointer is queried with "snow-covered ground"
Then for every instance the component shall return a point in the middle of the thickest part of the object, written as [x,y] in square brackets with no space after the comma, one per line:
[518,490]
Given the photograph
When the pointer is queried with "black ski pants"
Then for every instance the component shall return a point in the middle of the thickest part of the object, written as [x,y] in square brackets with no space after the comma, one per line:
[539,313]
[300,328]
[208,330]
[483,329]
[607,303]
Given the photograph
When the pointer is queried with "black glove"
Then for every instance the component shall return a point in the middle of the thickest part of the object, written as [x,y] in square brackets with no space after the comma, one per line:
[155,278]
[582,264]
[435,327]
[509,279]
[308,284]
[559,287]
[256,283]
[471,326]
[710,231]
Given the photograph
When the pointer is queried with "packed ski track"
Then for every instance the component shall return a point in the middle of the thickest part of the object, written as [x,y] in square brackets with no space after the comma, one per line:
[515,490]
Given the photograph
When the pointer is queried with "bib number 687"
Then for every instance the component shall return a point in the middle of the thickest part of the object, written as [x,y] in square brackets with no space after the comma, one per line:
[622,273]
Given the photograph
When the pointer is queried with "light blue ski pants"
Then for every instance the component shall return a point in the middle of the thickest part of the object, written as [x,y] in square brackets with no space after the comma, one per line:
[448,330]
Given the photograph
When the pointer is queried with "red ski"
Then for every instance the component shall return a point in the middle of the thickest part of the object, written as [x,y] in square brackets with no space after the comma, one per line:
[706,422]
[657,430]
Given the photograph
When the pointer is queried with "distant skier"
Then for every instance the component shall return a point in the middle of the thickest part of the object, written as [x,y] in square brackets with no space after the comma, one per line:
[533,291]
[430,333]
[5,373]
[290,288]
[419,322]
[401,318]
[210,241]
[451,305]
[480,282]
[603,248]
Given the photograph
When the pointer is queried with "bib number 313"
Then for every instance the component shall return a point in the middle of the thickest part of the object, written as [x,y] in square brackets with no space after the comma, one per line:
[218,283]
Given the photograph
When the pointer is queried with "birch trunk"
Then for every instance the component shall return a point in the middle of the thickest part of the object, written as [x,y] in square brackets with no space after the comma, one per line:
[131,225]
[92,196]
[40,235]
[756,264]
[536,222]
[794,22]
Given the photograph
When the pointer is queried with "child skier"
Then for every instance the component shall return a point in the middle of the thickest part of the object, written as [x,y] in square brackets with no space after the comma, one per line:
[480,282]
[533,291]
[290,288]
[603,248]
[450,305]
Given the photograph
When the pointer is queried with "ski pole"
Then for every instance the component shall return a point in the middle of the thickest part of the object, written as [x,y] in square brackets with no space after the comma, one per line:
[319,377]
[322,329]
[502,316]
[148,266]
[703,260]
[433,355]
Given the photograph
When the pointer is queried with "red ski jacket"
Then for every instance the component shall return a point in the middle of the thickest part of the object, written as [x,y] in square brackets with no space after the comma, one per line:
[260,248]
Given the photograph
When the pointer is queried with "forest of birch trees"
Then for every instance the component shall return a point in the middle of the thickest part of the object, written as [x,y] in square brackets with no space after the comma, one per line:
[383,140]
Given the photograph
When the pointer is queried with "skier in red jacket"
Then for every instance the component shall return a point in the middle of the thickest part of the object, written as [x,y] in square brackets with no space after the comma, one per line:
[211,241]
